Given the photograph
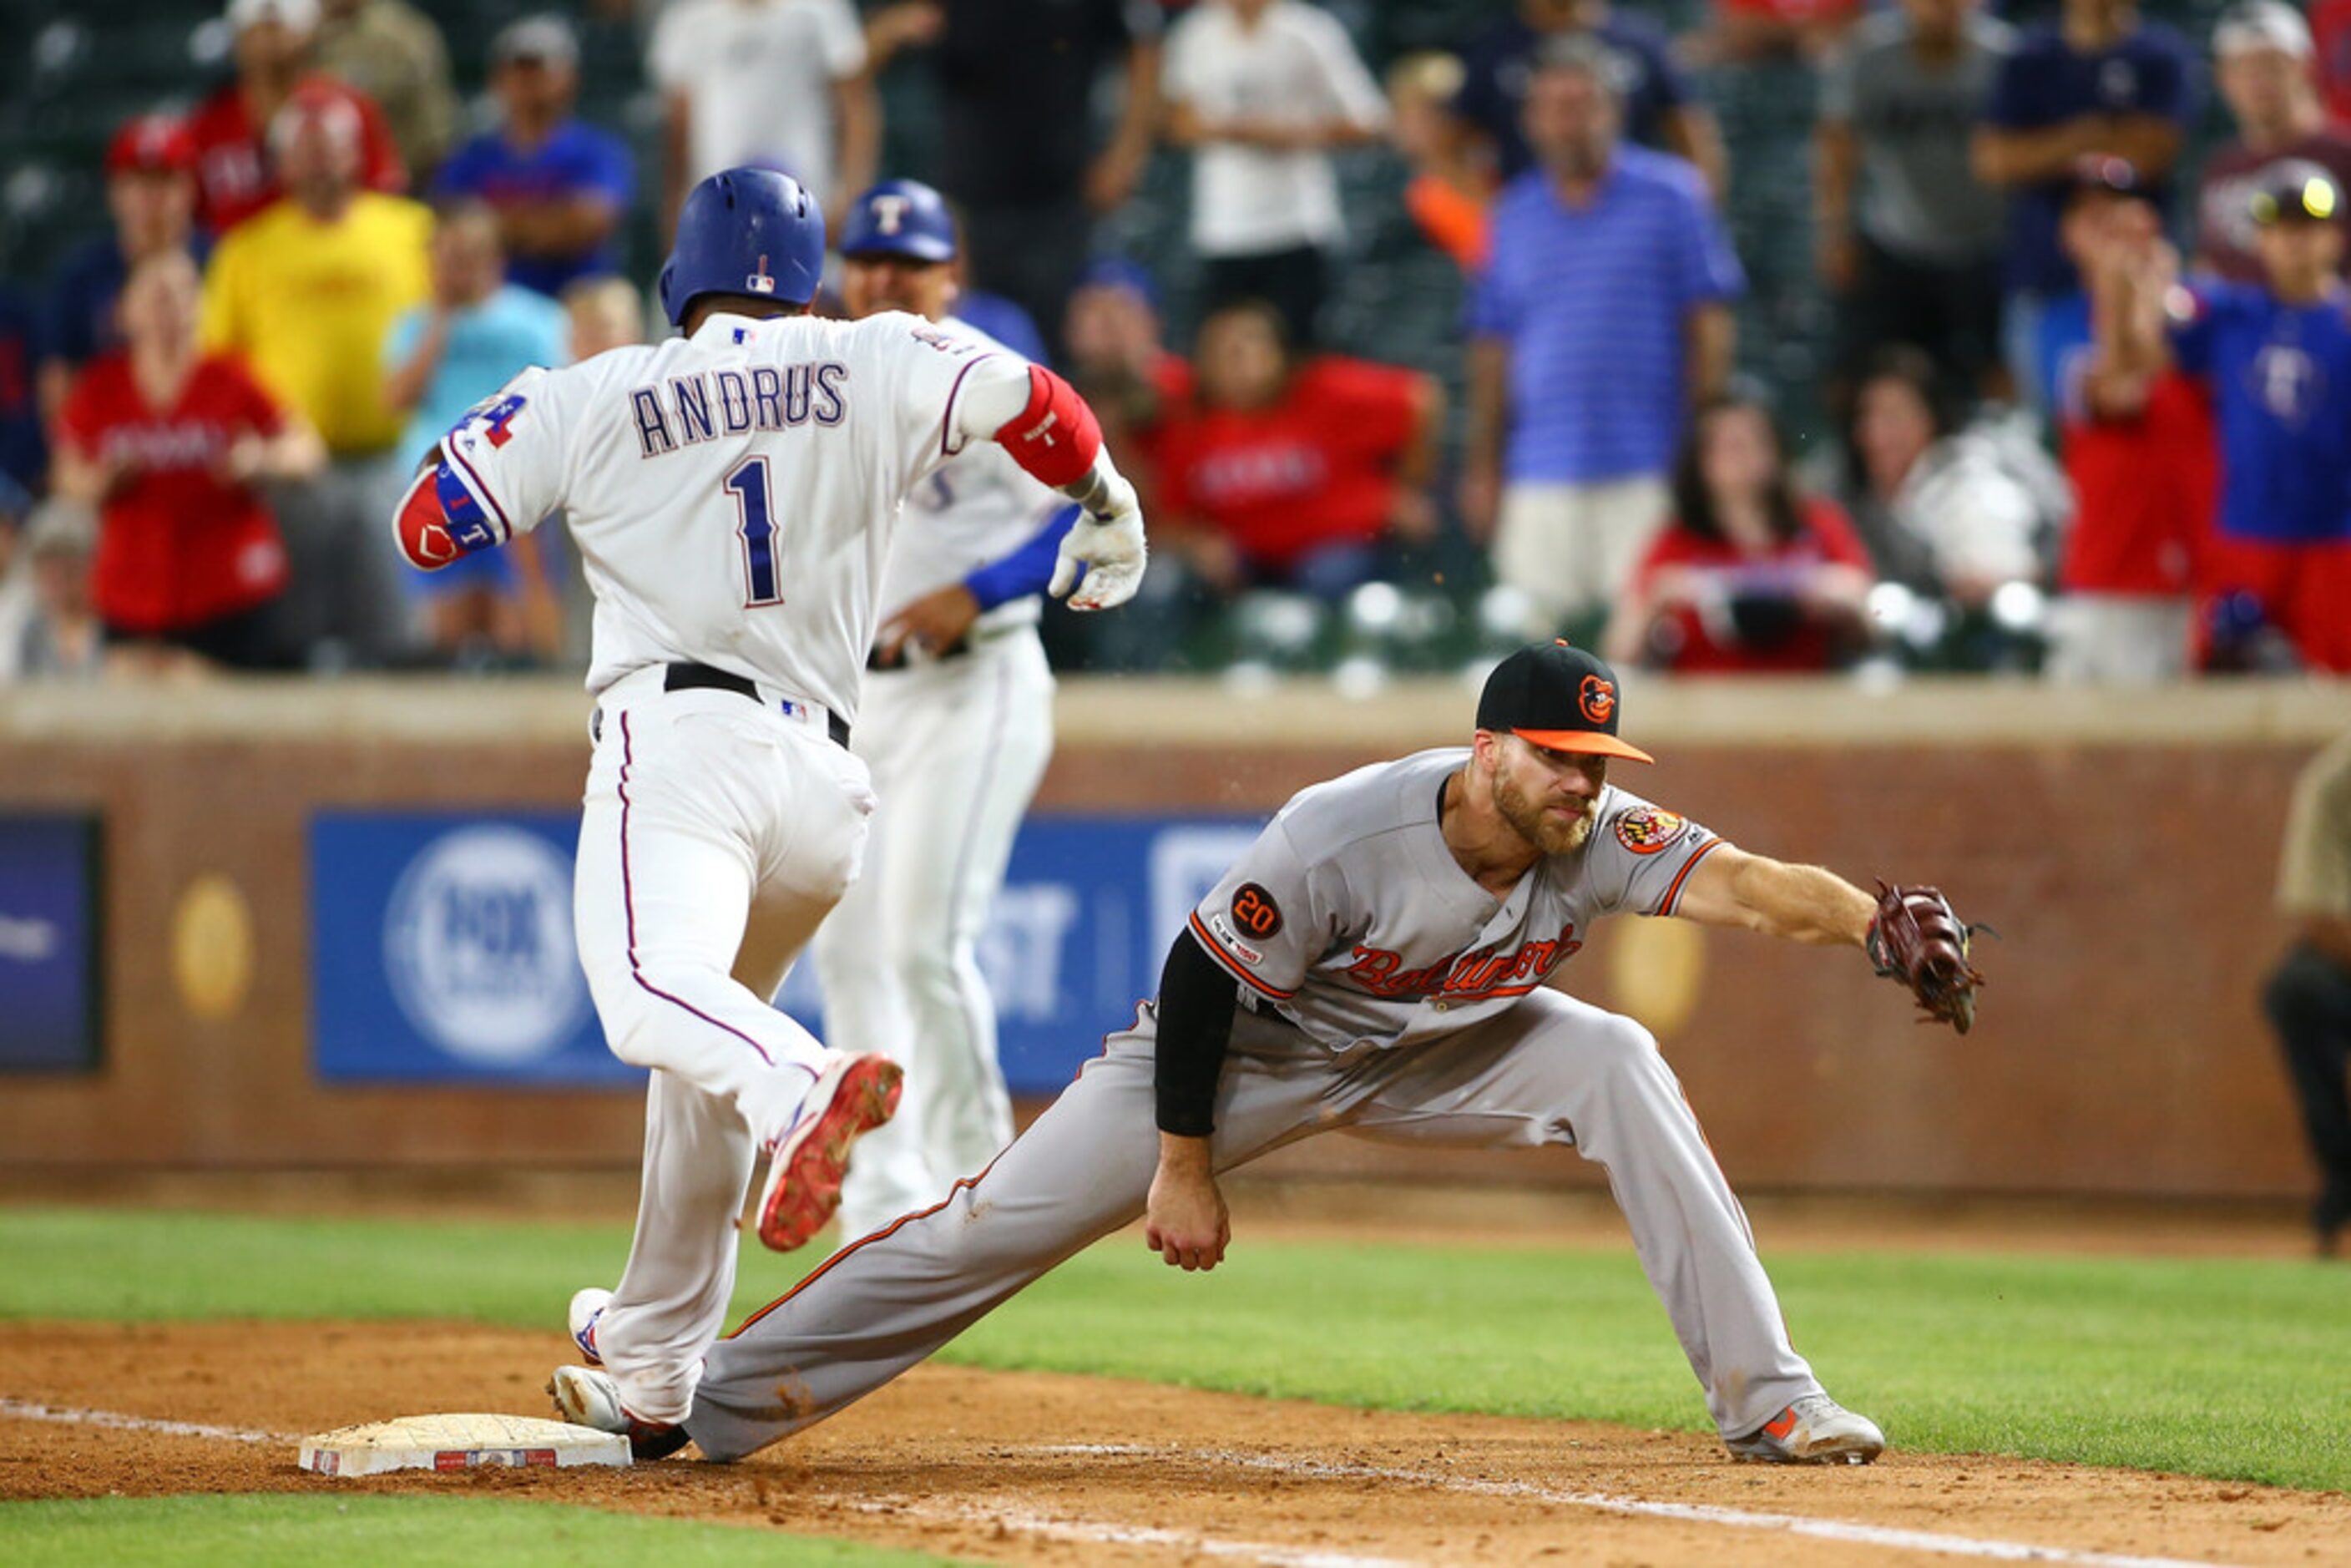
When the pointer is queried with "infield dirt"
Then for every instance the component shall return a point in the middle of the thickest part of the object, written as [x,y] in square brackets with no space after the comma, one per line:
[1036,1468]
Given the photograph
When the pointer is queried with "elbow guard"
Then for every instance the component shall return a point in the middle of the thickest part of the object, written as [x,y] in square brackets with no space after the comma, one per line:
[1056,436]
[439,520]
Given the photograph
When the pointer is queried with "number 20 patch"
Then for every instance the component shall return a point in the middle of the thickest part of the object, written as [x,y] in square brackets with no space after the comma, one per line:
[1254,911]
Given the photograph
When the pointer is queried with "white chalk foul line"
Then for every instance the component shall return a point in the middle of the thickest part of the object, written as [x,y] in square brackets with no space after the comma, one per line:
[28,1410]
[1097,1532]
[1694,1512]
[1090,1531]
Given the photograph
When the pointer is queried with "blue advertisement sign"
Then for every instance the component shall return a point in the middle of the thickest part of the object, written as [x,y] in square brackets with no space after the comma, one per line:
[441,952]
[442,947]
[49,943]
[1080,932]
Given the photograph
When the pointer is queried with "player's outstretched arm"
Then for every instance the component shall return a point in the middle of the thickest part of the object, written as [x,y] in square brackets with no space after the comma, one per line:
[1047,427]
[1755,892]
[1912,935]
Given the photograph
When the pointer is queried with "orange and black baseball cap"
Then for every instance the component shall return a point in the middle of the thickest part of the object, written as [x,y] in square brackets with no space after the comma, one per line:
[1558,697]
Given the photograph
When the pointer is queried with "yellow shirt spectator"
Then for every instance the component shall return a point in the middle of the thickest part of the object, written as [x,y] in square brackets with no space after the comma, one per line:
[309,303]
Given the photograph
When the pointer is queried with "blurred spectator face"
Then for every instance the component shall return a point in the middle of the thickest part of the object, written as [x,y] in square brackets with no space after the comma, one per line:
[2300,255]
[158,305]
[152,209]
[1570,121]
[873,284]
[468,262]
[272,35]
[535,89]
[1937,21]
[1421,89]
[1240,358]
[1109,325]
[1738,454]
[605,314]
[2263,86]
[1892,427]
[2097,223]
[317,145]
[61,577]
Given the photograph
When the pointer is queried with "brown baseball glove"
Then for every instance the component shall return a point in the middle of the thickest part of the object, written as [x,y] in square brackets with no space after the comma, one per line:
[1919,939]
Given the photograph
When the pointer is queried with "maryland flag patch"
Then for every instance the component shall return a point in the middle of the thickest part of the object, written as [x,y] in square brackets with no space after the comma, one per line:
[1646,829]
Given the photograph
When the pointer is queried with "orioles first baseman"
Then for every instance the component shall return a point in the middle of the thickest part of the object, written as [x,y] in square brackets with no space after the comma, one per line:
[958,726]
[734,493]
[1376,962]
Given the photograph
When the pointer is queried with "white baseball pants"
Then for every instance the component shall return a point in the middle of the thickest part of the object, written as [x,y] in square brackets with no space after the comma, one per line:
[717,831]
[1552,1070]
[958,750]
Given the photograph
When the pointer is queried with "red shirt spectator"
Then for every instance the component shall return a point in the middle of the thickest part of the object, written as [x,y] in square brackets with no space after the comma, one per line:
[2145,489]
[235,178]
[179,544]
[1750,576]
[1738,611]
[1286,463]
[167,443]
[2330,23]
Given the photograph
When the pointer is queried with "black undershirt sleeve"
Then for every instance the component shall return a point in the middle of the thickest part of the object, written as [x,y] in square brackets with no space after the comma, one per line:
[1196,998]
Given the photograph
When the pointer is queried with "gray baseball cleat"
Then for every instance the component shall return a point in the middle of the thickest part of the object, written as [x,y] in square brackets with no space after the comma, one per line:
[587,1397]
[1815,1430]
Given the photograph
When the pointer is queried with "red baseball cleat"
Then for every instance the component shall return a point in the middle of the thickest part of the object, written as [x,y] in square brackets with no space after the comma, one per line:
[854,1095]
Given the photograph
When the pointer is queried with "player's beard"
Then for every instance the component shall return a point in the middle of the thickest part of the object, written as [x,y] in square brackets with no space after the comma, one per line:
[1540,827]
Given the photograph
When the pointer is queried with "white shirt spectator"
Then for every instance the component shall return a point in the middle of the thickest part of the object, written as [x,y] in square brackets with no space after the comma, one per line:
[759,75]
[1295,65]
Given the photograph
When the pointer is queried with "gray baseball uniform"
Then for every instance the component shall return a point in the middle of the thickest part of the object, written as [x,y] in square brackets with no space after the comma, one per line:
[1383,993]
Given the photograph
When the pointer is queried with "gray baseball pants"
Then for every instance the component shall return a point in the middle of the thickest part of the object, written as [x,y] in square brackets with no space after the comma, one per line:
[1550,1070]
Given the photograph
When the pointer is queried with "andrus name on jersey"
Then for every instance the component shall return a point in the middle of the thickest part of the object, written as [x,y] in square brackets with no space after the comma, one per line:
[1473,975]
[690,408]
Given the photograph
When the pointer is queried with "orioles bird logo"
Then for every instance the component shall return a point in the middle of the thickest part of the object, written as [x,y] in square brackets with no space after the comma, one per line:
[1597,699]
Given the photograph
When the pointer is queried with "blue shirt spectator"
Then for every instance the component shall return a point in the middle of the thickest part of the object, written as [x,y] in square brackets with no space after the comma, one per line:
[1594,304]
[1497,62]
[2049,88]
[2281,381]
[485,345]
[559,187]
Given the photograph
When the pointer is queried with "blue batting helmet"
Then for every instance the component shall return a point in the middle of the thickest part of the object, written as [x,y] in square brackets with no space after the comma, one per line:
[745,231]
[900,217]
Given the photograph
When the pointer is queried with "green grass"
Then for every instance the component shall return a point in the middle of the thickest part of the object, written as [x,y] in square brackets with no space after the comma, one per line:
[298,1531]
[2233,1368]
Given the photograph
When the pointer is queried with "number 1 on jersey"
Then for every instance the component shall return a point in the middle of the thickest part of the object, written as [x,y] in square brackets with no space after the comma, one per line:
[748,485]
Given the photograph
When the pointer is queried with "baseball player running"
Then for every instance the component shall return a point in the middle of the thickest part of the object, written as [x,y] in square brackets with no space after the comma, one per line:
[1376,962]
[956,727]
[733,493]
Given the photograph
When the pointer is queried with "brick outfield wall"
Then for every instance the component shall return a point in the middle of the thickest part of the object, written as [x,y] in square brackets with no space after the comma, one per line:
[2125,848]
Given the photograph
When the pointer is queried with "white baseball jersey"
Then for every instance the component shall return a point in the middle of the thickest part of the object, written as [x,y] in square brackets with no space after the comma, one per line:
[1349,916]
[978,507]
[734,493]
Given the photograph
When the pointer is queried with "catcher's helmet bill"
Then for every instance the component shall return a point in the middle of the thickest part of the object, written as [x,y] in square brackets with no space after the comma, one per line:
[752,232]
[900,217]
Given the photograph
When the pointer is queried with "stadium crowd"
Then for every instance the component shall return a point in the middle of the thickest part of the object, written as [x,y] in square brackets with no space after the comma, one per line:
[2084,406]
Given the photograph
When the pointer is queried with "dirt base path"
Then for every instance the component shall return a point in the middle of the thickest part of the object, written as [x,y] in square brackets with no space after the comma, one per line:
[1035,1468]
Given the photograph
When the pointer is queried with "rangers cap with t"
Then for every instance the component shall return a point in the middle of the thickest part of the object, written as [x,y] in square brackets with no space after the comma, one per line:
[900,217]
[1558,697]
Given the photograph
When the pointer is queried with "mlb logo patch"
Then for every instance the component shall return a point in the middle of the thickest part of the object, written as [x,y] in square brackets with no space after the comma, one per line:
[759,282]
